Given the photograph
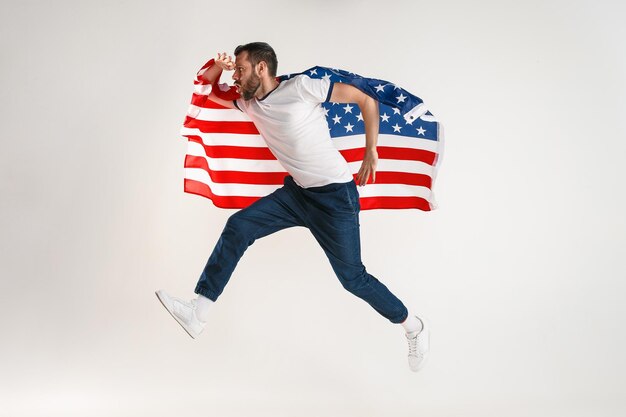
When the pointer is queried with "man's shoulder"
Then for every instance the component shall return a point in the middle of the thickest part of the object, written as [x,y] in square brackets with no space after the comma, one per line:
[293,80]
[305,85]
[299,79]
[293,85]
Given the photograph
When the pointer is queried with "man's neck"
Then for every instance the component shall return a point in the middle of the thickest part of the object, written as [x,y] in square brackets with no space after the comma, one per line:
[266,87]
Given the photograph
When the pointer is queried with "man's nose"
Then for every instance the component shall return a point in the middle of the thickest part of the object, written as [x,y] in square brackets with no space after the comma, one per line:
[235,76]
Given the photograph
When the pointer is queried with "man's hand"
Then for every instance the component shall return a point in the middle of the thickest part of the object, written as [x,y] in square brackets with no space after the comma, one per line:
[368,167]
[224,61]
[221,62]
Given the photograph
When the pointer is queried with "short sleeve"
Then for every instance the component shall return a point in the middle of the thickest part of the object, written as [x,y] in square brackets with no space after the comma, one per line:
[315,90]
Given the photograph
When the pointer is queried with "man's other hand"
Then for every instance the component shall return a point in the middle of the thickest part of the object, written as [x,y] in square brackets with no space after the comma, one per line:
[368,167]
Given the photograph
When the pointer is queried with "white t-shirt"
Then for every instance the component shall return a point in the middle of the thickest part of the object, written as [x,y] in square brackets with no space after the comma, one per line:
[293,124]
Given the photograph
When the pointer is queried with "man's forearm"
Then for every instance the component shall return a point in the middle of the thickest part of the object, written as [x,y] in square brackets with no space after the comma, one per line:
[212,74]
[369,111]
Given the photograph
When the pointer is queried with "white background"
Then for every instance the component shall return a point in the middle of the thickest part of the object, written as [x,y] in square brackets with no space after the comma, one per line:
[521,270]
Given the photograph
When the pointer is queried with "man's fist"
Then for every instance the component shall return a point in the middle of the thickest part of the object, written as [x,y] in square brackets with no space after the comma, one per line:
[224,61]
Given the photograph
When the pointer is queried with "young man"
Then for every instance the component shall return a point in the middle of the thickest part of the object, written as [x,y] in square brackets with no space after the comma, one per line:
[319,194]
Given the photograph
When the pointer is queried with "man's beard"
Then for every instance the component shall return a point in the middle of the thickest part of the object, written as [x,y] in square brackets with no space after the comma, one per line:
[248,90]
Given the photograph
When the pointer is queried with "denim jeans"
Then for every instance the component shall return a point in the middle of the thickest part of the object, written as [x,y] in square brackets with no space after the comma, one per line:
[330,212]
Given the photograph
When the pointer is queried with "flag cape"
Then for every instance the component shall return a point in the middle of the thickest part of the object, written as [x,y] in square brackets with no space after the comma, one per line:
[229,163]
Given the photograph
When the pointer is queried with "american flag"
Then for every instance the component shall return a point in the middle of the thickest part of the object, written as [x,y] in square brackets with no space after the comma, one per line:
[228,161]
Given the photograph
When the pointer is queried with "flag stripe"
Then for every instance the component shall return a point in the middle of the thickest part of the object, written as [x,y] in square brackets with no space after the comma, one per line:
[238,152]
[253,190]
[229,201]
[221,127]
[367,203]
[341,143]
[350,155]
[202,89]
[260,165]
[372,203]
[224,139]
[242,177]
[385,152]
[223,189]
[210,114]
[202,100]
[276,178]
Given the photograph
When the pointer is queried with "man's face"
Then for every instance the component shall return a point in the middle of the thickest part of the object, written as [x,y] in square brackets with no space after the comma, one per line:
[246,79]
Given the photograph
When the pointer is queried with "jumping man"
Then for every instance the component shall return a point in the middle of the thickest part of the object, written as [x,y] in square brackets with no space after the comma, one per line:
[319,193]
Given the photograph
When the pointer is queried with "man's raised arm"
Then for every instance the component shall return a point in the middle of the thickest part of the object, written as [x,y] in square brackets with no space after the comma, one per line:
[212,76]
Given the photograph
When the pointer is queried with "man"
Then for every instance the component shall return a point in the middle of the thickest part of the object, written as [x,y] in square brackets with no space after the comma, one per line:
[319,194]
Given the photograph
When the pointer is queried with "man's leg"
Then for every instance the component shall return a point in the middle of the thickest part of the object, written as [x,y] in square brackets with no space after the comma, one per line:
[267,215]
[264,217]
[334,222]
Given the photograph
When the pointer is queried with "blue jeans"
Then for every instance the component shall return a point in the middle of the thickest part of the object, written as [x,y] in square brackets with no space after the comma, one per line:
[331,213]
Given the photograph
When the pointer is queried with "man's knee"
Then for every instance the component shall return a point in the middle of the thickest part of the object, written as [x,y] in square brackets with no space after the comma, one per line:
[237,226]
[354,281]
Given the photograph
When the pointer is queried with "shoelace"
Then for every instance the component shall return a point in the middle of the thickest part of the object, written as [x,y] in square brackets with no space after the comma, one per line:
[412,345]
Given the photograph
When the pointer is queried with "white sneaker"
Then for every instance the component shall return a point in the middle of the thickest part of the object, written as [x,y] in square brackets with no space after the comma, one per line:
[419,345]
[184,312]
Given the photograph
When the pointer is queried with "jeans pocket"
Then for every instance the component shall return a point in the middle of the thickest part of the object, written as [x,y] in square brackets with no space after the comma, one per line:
[353,197]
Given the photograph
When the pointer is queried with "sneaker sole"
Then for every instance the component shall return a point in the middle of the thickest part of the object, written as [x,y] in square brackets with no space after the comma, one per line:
[157,293]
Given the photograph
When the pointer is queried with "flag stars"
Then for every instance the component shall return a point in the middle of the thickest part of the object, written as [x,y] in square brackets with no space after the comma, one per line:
[313,71]
[401,98]
[325,111]
[349,127]
[348,108]
[396,128]
[421,131]
[359,117]
[326,76]
[337,119]
[380,88]
[396,110]
[384,117]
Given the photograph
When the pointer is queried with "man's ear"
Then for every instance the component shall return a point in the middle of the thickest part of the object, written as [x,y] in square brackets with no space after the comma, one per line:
[262,67]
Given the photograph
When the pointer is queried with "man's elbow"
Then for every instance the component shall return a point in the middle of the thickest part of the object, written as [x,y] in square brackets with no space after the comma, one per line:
[367,102]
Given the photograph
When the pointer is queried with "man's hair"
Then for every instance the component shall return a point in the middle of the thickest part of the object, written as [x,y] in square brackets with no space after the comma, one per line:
[260,51]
